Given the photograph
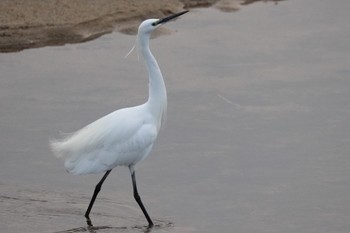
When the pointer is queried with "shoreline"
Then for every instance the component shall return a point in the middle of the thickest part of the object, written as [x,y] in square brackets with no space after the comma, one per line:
[32,24]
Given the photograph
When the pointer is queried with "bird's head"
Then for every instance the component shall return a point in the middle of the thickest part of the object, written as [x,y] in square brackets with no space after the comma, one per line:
[149,25]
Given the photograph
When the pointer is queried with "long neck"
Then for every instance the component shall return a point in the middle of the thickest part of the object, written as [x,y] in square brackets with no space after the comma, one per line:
[157,100]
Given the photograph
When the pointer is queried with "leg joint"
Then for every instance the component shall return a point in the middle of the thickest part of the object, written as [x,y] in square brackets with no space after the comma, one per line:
[98,187]
[137,197]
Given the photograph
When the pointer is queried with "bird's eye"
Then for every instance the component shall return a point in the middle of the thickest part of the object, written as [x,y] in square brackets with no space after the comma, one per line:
[154,24]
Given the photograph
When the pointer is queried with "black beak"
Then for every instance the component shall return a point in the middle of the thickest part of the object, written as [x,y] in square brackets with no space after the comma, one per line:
[166,19]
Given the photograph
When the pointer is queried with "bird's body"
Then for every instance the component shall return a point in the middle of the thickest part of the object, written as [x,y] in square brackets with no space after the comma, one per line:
[123,137]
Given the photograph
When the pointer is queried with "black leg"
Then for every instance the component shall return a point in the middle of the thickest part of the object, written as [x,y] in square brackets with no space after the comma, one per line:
[97,190]
[138,198]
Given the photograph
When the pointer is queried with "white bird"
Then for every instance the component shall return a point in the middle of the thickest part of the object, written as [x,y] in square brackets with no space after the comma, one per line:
[123,137]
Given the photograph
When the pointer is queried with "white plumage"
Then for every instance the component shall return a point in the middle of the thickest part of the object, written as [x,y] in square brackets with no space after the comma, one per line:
[123,137]
[103,144]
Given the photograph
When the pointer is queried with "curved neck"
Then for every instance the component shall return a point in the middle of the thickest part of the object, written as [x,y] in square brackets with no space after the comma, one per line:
[157,100]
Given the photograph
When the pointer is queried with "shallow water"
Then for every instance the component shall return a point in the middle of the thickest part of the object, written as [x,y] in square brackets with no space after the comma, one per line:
[256,139]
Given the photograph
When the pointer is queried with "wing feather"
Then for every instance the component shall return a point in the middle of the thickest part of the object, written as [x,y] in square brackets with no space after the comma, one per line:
[123,137]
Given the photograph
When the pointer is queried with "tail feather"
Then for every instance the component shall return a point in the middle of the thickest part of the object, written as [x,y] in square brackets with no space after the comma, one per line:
[58,147]
[77,149]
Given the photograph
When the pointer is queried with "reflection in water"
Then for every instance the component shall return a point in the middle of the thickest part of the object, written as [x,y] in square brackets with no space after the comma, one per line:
[93,229]
[98,229]
[45,206]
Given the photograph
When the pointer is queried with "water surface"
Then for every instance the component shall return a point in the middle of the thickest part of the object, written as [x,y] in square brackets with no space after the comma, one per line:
[256,138]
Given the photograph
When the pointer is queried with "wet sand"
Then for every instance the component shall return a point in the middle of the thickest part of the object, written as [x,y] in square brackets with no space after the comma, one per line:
[32,24]
[256,138]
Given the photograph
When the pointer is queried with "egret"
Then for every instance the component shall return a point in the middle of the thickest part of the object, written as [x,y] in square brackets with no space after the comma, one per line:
[123,137]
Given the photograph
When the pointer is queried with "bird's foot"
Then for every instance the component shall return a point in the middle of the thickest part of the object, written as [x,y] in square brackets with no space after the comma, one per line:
[88,222]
